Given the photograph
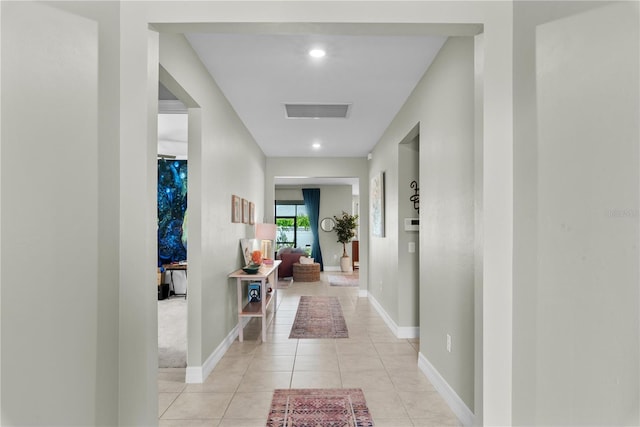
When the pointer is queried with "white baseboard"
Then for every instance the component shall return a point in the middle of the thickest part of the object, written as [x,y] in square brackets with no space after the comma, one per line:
[464,414]
[363,293]
[331,268]
[197,374]
[408,332]
[402,332]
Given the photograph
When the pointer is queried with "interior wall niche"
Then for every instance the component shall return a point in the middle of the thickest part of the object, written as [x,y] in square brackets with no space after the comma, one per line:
[408,238]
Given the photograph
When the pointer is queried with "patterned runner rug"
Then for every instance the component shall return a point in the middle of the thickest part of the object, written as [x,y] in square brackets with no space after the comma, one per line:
[343,280]
[319,408]
[319,317]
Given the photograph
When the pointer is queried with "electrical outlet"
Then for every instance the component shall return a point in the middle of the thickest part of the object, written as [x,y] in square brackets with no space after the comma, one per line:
[449,343]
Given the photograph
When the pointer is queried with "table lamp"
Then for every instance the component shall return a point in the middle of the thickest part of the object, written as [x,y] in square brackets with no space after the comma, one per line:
[266,233]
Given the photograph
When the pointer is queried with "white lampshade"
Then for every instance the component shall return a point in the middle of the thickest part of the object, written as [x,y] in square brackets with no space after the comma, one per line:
[266,233]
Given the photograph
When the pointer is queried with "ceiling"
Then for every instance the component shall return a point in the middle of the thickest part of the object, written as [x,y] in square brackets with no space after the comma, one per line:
[259,73]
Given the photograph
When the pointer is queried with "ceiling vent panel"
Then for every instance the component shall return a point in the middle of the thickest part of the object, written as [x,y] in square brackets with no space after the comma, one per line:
[317,111]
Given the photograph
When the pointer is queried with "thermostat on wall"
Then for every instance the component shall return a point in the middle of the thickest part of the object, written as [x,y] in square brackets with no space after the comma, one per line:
[411,224]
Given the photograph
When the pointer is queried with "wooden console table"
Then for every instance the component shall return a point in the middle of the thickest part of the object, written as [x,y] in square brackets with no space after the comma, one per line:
[257,309]
[355,254]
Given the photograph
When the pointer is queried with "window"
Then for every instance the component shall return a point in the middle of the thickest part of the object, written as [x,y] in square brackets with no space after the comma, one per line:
[293,225]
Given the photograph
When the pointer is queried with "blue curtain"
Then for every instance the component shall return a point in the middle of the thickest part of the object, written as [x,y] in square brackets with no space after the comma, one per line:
[312,203]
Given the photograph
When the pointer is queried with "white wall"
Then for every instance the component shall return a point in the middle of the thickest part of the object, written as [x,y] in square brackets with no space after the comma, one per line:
[577,224]
[333,200]
[137,252]
[448,237]
[443,104]
[52,225]
[408,262]
[223,149]
[479,51]
[107,16]
[383,251]
[394,274]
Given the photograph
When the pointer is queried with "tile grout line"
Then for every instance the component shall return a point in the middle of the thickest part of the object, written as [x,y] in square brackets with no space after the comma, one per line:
[369,331]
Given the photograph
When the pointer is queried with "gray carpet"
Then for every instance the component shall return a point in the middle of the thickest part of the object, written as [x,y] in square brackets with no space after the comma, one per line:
[172,333]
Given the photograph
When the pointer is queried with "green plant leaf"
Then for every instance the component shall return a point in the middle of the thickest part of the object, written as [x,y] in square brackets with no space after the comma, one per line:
[345,227]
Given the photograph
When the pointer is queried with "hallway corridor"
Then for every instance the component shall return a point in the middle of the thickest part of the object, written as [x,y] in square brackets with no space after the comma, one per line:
[239,390]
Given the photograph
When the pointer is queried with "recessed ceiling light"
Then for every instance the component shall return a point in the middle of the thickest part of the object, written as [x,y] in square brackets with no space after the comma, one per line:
[317,53]
[316,146]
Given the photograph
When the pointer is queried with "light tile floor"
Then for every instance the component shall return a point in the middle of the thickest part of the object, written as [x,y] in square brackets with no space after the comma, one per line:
[239,390]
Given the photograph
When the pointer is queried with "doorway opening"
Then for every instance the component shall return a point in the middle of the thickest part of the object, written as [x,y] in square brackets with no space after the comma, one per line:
[337,195]
[172,230]
[408,227]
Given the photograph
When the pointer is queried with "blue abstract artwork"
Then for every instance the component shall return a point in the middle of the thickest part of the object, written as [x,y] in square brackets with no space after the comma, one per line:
[172,211]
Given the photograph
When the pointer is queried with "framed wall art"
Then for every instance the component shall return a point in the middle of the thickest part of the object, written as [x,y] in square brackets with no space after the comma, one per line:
[248,246]
[236,209]
[172,211]
[252,213]
[377,205]
[245,211]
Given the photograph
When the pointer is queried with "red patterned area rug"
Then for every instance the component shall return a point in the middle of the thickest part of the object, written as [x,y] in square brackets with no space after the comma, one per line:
[319,317]
[316,407]
[343,280]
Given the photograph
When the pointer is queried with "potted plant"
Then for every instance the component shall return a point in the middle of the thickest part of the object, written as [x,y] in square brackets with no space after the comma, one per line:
[346,229]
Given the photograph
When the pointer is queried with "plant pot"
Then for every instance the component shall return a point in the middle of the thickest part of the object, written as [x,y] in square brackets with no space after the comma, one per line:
[345,264]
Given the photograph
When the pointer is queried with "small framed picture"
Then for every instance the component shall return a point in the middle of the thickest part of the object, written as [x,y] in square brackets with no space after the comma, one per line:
[236,209]
[252,213]
[245,211]
[377,205]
